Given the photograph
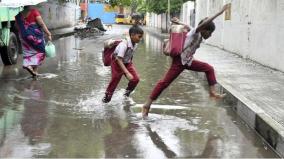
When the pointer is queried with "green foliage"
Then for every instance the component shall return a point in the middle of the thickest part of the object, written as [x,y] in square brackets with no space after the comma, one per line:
[155,6]
[141,6]
[138,6]
[120,2]
[161,6]
[61,1]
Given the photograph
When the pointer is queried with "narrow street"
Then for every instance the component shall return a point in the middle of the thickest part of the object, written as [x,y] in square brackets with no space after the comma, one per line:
[61,113]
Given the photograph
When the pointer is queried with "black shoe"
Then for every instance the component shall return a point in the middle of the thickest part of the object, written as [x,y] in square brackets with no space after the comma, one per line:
[106,98]
[127,93]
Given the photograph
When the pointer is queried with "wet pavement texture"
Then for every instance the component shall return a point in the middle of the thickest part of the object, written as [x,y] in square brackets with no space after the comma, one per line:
[61,114]
[260,85]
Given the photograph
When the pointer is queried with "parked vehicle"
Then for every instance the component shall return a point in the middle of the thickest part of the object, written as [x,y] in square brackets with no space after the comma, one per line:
[9,40]
[120,19]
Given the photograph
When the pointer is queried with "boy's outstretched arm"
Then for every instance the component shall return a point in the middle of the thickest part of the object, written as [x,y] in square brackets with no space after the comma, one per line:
[208,20]
[175,20]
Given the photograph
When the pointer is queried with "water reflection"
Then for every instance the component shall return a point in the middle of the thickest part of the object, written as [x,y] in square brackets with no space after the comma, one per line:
[69,49]
[25,137]
[119,143]
[35,115]
[185,134]
[158,141]
[63,116]
[152,44]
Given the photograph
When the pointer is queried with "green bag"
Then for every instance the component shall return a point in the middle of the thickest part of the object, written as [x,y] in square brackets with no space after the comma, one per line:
[50,50]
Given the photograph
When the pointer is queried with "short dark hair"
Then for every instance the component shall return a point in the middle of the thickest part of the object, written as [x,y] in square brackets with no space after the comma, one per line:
[135,29]
[27,7]
[210,26]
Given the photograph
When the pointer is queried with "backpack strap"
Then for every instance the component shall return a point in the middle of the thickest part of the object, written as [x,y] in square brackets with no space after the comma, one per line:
[126,41]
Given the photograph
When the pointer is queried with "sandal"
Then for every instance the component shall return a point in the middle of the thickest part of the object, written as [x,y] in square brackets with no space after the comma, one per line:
[30,71]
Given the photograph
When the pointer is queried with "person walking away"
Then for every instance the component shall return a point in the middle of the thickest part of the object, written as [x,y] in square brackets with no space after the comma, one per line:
[121,63]
[186,61]
[31,27]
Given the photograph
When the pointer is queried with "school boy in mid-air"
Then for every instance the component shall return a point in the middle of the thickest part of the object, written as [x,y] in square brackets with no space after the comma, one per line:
[121,63]
[186,61]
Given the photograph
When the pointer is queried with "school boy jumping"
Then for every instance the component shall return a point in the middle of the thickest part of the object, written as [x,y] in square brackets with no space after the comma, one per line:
[186,61]
[122,63]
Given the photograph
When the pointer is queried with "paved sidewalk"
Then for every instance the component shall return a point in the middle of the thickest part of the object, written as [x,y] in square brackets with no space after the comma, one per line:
[255,91]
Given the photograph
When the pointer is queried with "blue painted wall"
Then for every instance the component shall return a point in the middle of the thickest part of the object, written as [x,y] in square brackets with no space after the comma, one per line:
[96,10]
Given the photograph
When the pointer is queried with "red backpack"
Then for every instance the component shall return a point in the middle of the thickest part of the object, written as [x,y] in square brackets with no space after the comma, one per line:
[174,45]
[109,47]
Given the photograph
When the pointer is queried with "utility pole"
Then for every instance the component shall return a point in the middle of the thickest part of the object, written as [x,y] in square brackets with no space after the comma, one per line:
[169,8]
[169,14]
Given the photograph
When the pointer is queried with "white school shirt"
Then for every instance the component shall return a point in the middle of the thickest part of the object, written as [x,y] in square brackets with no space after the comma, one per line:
[125,50]
[192,43]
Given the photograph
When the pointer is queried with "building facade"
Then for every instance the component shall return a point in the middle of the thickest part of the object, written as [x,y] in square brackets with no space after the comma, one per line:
[60,13]
[254,29]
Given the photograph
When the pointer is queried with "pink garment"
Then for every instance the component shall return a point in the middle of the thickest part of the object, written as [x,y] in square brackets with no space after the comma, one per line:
[31,56]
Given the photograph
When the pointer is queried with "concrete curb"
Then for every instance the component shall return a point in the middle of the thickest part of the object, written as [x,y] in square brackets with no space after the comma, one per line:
[269,129]
[58,36]
[56,33]
[256,118]
[157,33]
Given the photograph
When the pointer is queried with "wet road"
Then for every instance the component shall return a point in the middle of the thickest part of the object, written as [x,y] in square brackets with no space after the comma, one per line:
[61,114]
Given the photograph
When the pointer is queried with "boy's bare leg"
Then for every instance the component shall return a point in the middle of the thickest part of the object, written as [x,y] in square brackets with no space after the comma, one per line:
[146,107]
[214,94]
